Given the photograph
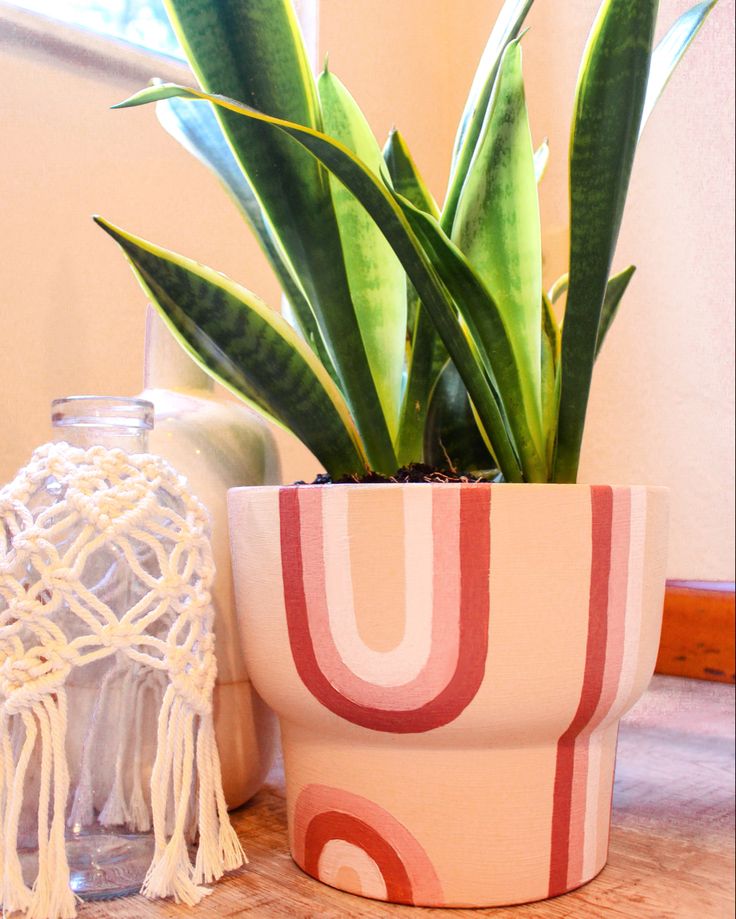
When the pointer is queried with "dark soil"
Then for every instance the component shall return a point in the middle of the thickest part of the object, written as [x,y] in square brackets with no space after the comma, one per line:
[415,472]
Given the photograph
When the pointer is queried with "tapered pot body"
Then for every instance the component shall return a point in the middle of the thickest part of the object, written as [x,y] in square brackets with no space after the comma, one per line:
[449,664]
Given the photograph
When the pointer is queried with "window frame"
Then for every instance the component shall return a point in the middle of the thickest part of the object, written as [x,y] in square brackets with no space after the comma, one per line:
[33,34]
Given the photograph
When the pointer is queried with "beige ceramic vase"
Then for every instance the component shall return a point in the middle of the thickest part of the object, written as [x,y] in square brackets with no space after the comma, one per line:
[449,664]
[216,444]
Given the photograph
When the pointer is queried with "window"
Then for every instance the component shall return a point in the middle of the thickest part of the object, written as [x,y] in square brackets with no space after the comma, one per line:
[140,22]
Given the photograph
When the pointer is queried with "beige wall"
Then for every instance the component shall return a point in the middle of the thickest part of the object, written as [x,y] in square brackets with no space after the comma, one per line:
[71,317]
[71,314]
[409,63]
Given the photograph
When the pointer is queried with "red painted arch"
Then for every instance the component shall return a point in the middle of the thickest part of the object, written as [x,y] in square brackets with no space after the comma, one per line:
[335,825]
[473,614]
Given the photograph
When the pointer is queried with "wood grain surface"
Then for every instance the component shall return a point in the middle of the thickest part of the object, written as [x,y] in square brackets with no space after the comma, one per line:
[672,840]
[698,637]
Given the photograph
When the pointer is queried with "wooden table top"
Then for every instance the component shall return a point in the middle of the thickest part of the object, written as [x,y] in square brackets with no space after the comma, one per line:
[672,838]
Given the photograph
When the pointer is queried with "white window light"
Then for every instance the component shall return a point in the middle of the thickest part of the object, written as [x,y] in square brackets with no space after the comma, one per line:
[141,22]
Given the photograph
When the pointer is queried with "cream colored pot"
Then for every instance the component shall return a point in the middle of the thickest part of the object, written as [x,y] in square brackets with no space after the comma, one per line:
[449,664]
[216,443]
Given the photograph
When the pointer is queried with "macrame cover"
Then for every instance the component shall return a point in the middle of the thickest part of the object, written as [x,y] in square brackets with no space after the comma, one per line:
[77,527]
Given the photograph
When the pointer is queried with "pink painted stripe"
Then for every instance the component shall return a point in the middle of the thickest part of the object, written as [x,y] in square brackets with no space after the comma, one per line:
[446,612]
[439,668]
[584,784]
[468,673]
[605,793]
[602,515]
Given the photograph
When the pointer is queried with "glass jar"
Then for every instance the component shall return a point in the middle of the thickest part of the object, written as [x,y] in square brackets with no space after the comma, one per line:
[113,702]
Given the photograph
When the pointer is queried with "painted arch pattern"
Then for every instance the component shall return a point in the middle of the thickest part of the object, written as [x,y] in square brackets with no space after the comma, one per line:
[435,661]
[349,842]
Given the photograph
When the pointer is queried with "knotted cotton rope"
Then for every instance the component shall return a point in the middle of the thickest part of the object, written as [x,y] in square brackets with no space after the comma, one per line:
[85,534]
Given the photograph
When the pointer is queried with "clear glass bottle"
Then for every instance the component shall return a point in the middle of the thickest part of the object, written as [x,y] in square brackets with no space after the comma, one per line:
[113,702]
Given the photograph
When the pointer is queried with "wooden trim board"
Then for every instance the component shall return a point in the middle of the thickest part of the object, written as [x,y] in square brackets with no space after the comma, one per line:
[698,631]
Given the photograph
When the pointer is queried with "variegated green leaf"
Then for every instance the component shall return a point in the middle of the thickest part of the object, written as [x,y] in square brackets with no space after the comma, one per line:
[541,160]
[275,76]
[507,28]
[387,213]
[551,378]
[377,280]
[608,109]
[451,437]
[425,352]
[490,334]
[497,225]
[670,51]
[426,356]
[249,348]
[559,288]
[406,179]
[615,290]
[195,126]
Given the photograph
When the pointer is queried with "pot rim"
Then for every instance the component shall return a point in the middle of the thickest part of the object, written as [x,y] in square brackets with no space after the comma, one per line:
[376,486]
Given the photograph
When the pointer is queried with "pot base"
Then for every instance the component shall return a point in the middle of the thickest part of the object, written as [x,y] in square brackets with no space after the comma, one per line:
[503,826]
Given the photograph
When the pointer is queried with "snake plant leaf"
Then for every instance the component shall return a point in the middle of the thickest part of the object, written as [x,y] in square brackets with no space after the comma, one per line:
[213,35]
[615,290]
[670,51]
[608,109]
[559,288]
[371,191]
[614,293]
[489,330]
[541,160]
[195,126]
[426,353]
[497,225]
[405,176]
[275,76]
[508,25]
[376,278]
[551,377]
[451,437]
[408,182]
[249,348]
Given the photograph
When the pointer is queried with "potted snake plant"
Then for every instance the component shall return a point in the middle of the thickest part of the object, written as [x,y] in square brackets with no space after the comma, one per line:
[449,658]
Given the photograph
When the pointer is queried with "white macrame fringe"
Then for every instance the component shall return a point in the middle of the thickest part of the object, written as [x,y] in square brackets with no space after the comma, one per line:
[45,722]
[15,893]
[181,730]
[186,782]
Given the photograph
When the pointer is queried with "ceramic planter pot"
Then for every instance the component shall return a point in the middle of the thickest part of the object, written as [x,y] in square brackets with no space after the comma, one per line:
[449,664]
